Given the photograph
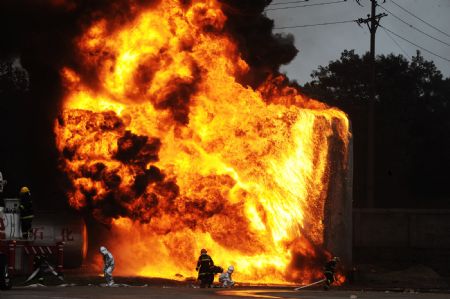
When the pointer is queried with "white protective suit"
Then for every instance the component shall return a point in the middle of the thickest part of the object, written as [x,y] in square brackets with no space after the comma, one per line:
[225,278]
[108,265]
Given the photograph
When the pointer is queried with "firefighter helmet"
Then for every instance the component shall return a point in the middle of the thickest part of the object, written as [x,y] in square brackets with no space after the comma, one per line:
[203,251]
[230,269]
[103,250]
[24,190]
[336,259]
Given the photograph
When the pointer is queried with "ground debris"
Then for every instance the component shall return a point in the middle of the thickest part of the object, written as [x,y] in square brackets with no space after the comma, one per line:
[416,277]
[410,291]
[35,285]
[65,285]
[116,285]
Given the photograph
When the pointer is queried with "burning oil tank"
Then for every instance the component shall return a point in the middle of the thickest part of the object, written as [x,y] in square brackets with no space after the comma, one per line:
[200,158]
[338,222]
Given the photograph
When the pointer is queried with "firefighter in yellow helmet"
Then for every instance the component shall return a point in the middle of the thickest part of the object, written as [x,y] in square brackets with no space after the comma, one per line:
[204,268]
[26,211]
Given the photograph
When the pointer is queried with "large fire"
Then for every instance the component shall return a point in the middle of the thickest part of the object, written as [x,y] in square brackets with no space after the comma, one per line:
[164,144]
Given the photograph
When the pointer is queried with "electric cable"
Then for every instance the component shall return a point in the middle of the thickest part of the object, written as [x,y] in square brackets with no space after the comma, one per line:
[412,26]
[313,25]
[434,27]
[306,5]
[291,2]
[398,45]
[420,47]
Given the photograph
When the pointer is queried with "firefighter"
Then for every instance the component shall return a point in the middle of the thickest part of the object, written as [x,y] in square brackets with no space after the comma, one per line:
[26,211]
[225,278]
[108,265]
[204,267]
[329,270]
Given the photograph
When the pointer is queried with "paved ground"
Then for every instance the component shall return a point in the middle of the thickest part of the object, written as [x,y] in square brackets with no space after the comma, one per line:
[95,292]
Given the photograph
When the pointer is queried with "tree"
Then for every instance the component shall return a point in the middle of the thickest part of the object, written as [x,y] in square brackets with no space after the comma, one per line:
[412,125]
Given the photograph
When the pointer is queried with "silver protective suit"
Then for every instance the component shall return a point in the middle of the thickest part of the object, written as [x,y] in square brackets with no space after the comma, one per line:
[108,266]
[225,278]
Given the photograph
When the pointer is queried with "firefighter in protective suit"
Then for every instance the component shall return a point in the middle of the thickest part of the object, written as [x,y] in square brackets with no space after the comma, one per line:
[329,270]
[26,211]
[225,278]
[108,265]
[204,268]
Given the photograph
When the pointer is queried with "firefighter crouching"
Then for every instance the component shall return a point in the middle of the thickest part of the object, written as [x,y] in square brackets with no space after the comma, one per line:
[26,212]
[204,268]
[329,270]
[225,278]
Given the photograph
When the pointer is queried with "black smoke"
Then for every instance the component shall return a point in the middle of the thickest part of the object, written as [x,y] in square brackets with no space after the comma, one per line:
[138,150]
[263,50]
[41,35]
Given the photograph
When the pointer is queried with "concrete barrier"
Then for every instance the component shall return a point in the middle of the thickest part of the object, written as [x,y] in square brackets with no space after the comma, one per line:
[403,237]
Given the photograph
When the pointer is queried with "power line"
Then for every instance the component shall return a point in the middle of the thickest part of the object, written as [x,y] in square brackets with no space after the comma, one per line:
[372,22]
[313,25]
[412,26]
[306,5]
[395,42]
[291,2]
[420,47]
[434,27]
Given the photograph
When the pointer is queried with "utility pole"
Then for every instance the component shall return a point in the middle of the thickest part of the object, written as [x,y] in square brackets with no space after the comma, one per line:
[372,21]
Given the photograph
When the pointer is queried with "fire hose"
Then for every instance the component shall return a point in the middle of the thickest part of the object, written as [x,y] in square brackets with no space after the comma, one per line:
[311,284]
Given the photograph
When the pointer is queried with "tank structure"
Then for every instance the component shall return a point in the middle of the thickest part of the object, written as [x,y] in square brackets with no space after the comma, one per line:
[338,221]
[50,227]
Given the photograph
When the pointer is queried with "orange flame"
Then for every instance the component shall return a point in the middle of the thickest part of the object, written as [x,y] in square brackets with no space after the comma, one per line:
[182,156]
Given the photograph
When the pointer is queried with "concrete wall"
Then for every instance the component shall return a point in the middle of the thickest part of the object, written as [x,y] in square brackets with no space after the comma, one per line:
[402,237]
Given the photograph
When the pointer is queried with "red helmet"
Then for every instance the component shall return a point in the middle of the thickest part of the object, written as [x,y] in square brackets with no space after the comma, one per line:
[203,251]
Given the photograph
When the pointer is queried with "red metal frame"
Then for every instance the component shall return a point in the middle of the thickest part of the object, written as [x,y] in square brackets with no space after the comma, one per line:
[31,250]
[11,256]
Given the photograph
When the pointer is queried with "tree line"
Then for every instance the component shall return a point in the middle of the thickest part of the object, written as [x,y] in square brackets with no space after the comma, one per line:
[412,125]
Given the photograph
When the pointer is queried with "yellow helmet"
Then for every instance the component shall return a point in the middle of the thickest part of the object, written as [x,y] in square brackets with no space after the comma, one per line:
[24,190]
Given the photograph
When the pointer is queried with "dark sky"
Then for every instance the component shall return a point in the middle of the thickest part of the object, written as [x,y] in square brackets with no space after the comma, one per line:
[320,44]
